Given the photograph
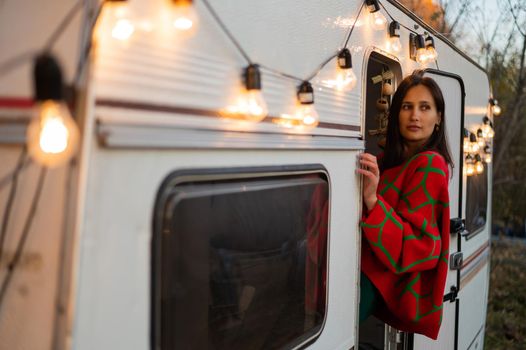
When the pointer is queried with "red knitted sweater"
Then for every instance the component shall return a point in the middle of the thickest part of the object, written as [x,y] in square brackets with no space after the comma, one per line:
[407,235]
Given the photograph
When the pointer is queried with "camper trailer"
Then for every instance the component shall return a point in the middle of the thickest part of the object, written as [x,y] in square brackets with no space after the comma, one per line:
[212,200]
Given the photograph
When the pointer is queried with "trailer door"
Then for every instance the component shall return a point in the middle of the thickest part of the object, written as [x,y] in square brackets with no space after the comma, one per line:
[453,91]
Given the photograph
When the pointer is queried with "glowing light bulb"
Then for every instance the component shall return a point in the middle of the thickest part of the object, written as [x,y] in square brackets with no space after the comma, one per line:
[184,17]
[479,167]
[496,110]
[377,20]
[487,158]
[394,44]
[345,79]
[307,114]
[52,135]
[430,49]
[422,56]
[123,29]
[250,105]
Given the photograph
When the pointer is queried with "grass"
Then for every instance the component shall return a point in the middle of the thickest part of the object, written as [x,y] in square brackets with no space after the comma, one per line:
[506,317]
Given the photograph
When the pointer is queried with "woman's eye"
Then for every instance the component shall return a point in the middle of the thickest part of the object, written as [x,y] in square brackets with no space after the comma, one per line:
[425,107]
[406,107]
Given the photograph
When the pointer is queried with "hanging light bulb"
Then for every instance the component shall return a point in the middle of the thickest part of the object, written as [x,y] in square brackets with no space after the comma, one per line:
[466,146]
[430,49]
[487,128]
[470,165]
[495,108]
[473,143]
[487,154]
[52,135]
[117,20]
[250,104]
[479,166]
[305,111]
[184,17]
[421,52]
[480,138]
[345,78]
[376,19]
[393,42]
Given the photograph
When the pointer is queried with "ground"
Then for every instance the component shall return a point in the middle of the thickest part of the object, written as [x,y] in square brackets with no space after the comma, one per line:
[506,317]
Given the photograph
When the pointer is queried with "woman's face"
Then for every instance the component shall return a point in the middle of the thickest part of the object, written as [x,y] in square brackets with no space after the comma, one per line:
[418,116]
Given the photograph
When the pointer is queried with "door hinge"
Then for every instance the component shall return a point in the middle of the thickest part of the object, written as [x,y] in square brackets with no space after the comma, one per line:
[452,295]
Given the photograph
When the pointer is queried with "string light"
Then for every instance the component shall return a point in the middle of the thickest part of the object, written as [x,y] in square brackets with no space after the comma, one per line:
[470,166]
[473,143]
[495,108]
[52,134]
[393,42]
[376,19]
[466,145]
[487,154]
[250,104]
[118,16]
[480,138]
[430,49]
[305,113]
[183,16]
[487,128]
[345,78]
[479,166]
[417,47]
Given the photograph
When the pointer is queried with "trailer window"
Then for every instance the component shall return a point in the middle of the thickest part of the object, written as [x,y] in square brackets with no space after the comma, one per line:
[241,264]
[476,202]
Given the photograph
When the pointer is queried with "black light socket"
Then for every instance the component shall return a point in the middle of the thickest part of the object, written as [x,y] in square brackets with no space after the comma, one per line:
[394,29]
[345,59]
[479,133]
[472,137]
[252,77]
[47,78]
[305,93]
[429,42]
[372,5]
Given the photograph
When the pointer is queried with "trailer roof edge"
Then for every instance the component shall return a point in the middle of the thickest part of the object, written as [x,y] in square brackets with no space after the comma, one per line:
[417,19]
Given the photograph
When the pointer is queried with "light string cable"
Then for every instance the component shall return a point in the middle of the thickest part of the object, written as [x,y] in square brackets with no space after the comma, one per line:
[402,25]
[10,200]
[23,238]
[11,63]
[348,37]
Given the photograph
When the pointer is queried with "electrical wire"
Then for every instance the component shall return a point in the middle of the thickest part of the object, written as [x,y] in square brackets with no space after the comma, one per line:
[23,238]
[226,31]
[12,63]
[10,200]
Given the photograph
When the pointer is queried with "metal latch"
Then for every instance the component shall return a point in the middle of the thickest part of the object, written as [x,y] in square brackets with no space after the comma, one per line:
[458,226]
[452,295]
[455,261]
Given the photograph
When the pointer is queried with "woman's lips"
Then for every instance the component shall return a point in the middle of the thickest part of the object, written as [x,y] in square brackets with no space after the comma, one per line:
[413,128]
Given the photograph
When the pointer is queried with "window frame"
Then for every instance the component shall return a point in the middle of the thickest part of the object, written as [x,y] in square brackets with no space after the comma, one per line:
[197,175]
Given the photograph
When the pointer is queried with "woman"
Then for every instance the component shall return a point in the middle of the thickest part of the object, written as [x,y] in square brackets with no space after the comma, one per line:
[406,221]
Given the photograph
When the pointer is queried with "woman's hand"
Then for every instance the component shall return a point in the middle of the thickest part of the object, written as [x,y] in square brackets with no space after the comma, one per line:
[371,177]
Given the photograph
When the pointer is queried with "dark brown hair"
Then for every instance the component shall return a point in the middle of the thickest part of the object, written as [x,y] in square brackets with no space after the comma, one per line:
[394,147]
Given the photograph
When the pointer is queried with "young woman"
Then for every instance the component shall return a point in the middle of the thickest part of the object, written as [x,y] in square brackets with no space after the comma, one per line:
[406,221]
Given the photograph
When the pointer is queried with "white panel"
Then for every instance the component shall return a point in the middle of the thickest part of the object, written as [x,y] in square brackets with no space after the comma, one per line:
[473,299]
[114,276]
[446,337]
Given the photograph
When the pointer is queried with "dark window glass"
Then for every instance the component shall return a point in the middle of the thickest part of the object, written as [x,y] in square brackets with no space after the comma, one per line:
[242,263]
[476,201]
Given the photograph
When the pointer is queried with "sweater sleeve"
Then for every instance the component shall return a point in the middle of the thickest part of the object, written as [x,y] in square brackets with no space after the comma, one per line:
[407,238]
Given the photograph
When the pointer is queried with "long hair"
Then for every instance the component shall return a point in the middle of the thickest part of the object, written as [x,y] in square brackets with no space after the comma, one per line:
[394,147]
